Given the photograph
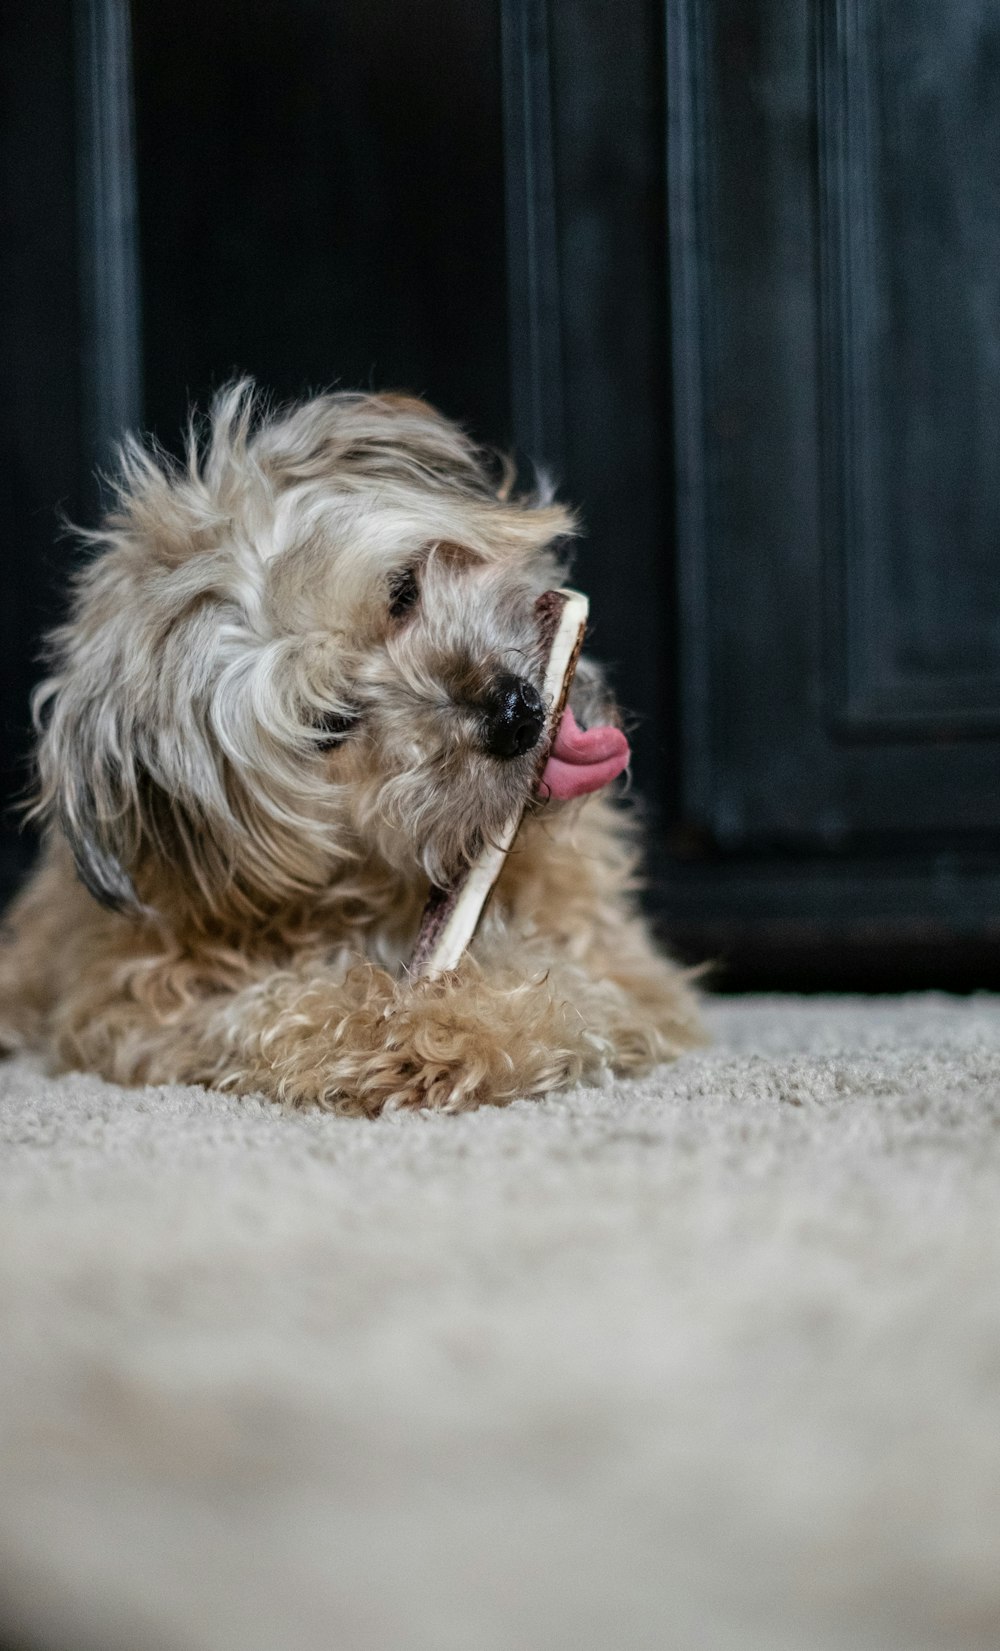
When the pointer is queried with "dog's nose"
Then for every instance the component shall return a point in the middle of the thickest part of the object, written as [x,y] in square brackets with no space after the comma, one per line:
[514,717]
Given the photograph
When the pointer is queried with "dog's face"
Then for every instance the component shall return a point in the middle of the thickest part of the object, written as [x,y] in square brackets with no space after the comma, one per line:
[311,654]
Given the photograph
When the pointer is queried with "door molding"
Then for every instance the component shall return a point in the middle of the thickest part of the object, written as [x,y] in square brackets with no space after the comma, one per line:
[111,354]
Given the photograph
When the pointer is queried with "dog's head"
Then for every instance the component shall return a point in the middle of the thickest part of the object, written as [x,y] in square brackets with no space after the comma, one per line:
[310,649]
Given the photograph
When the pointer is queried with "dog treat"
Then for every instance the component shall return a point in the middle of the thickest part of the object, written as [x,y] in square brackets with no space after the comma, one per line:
[451,915]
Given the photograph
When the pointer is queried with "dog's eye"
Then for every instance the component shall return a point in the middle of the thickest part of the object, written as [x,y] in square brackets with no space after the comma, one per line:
[404,594]
[333,727]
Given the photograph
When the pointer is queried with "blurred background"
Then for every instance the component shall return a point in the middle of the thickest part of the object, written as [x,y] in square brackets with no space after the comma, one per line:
[730,269]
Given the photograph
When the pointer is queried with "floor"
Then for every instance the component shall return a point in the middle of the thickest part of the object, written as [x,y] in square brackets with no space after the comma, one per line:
[709,1361]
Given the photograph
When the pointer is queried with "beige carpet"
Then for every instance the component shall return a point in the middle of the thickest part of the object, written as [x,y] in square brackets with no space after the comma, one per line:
[708,1361]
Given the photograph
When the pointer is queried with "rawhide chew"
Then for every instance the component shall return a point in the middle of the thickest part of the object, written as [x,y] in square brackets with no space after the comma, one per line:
[451,915]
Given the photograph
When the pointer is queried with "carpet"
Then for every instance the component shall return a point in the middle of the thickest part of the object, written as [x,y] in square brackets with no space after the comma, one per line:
[709,1360]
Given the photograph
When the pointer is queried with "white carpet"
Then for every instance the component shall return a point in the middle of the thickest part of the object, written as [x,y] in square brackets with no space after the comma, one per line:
[708,1361]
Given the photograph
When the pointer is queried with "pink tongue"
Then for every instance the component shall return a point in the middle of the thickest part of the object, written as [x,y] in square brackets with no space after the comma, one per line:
[582,759]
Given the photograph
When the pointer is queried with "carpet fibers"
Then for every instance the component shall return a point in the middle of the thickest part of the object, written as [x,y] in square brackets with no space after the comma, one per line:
[706,1361]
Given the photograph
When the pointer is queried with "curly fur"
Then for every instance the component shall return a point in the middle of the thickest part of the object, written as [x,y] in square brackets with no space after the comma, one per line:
[251,767]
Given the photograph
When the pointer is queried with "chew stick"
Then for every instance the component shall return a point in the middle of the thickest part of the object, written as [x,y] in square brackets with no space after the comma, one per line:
[452,915]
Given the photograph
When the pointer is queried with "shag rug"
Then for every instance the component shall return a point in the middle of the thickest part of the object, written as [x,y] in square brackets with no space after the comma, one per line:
[706,1361]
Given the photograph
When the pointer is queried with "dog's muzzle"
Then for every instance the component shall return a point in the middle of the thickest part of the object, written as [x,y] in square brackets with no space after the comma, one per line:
[515,717]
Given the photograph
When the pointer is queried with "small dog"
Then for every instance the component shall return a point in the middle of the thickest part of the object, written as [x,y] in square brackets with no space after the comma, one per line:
[270,727]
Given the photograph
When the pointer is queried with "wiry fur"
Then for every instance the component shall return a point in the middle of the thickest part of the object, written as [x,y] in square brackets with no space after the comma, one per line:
[251,770]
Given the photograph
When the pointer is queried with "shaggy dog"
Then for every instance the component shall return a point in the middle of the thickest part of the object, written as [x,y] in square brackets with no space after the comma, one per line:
[275,718]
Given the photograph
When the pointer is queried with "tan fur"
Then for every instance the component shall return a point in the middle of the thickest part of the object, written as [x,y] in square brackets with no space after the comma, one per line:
[257,767]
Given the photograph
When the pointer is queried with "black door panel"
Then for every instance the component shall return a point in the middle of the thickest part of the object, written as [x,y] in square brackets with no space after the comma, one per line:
[731,271]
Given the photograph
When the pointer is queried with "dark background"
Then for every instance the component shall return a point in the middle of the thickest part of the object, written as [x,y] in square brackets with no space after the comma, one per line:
[730,268]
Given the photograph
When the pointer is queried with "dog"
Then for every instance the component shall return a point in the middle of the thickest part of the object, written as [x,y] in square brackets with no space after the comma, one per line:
[270,728]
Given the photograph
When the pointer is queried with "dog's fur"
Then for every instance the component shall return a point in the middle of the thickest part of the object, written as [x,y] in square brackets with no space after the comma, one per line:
[255,758]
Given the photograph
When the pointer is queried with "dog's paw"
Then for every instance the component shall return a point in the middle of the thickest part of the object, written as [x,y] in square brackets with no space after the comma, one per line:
[461,1041]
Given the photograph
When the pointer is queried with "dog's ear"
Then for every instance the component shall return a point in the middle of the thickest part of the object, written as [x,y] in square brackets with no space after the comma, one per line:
[101,872]
[88,786]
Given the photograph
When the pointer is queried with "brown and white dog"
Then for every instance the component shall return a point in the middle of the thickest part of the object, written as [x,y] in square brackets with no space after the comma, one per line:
[279,711]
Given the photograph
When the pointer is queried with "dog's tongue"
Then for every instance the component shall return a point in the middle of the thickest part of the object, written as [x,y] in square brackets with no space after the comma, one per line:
[582,759]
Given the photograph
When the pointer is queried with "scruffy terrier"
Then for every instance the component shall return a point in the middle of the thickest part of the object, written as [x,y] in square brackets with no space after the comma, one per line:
[279,711]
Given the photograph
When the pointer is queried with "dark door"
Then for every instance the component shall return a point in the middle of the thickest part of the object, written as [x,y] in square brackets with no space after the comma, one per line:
[773,248]
[728,268]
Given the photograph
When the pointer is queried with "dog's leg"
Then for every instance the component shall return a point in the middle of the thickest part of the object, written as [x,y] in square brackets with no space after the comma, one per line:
[353,1043]
[651,1010]
[509,1023]
[33,938]
[561,983]
[634,1005]
[475,1036]
[571,884]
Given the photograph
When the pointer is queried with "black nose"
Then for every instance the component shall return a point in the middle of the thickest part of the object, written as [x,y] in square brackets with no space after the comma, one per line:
[514,717]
